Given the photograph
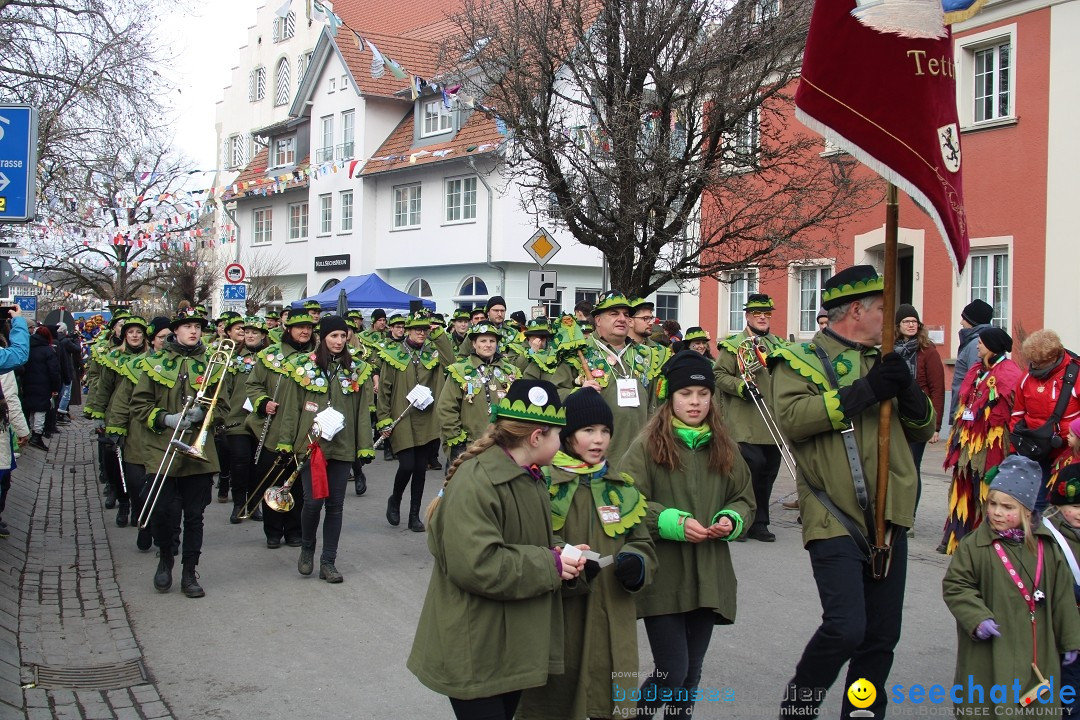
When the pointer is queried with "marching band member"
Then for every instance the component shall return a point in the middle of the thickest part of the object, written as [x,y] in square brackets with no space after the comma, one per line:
[415,439]
[105,341]
[232,328]
[540,360]
[168,377]
[328,377]
[473,387]
[240,440]
[459,328]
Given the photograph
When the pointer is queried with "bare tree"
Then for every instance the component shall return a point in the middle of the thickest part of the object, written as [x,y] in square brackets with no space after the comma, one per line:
[653,131]
[263,270]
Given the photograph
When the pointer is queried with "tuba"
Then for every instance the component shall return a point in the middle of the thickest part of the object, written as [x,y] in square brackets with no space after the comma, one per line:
[752,359]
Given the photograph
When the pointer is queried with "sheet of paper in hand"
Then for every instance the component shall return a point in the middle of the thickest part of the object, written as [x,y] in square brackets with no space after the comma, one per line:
[330,422]
[420,397]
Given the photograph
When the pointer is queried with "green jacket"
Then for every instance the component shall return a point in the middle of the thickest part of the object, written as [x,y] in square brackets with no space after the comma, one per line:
[243,364]
[399,372]
[160,392]
[977,587]
[464,404]
[98,349]
[810,415]
[744,421]
[600,635]
[492,620]
[559,374]
[265,384]
[690,575]
[348,393]
[118,417]
[110,368]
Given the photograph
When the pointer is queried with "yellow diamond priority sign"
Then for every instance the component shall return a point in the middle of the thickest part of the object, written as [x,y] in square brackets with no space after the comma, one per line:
[542,247]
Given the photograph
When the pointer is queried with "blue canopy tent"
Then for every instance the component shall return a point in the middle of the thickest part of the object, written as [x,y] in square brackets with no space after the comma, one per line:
[365,292]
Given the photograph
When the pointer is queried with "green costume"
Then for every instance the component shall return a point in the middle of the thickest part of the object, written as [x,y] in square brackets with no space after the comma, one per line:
[977,587]
[810,416]
[492,619]
[744,422]
[691,575]
[242,366]
[402,367]
[464,404]
[112,368]
[264,385]
[118,416]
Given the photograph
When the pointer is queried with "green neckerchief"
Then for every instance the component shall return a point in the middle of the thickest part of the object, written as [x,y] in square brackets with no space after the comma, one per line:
[621,494]
[397,356]
[571,464]
[692,437]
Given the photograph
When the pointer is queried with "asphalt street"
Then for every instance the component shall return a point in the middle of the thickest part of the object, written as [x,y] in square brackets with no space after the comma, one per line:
[267,642]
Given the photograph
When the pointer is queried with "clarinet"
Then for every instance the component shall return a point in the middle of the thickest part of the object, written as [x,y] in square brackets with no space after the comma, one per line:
[266,423]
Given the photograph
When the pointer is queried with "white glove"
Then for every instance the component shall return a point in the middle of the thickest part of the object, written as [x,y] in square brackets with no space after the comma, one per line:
[195,413]
[177,420]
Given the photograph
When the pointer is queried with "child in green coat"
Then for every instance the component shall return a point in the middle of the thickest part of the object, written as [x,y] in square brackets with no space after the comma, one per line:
[997,620]
[1065,497]
[492,621]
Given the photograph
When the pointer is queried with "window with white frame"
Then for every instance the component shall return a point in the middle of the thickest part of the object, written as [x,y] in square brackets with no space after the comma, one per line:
[739,287]
[586,295]
[419,288]
[302,64]
[331,85]
[348,133]
[744,142]
[437,119]
[284,27]
[553,308]
[261,225]
[460,199]
[326,152]
[667,306]
[992,82]
[257,84]
[406,206]
[986,75]
[326,214]
[298,221]
[473,292]
[811,280]
[282,87]
[346,210]
[344,83]
[990,283]
[237,152]
[285,151]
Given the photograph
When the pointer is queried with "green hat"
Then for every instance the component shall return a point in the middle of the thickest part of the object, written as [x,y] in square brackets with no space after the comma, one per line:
[351,322]
[201,310]
[418,319]
[135,321]
[696,333]
[568,335]
[538,326]
[273,315]
[641,304]
[535,401]
[758,301]
[396,319]
[312,305]
[586,328]
[117,317]
[483,328]
[255,323]
[355,314]
[850,284]
[230,318]
[609,301]
[188,316]
[460,314]
[299,317]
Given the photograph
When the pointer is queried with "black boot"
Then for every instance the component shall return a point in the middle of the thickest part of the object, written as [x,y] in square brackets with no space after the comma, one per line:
[237,508]
[393,511]
[361,481]
[163,576]
[144,539]
[223,488]
[387,453]
[110,496]
[306,563]
[123,513]
[37,441]
[414,520]
[189,582]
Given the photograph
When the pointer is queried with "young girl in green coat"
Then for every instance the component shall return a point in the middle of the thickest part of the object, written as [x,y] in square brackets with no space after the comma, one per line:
[997,620]
[699,499]
[492,621]
[595,505]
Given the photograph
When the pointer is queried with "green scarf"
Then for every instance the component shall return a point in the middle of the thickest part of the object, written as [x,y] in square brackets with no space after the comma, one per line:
[692,437]
[571,464]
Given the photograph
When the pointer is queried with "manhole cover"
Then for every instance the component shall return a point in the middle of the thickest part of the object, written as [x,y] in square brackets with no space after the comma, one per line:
[94,677]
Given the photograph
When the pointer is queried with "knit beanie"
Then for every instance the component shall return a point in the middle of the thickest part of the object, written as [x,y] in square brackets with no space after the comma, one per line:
[906,311]
[331,323]
[996,340]
[685,369]
[378,314]
[1074,426]
[494,301]
[1066,489]
[158,324]
[978,312]
[1019,477]
[585,407]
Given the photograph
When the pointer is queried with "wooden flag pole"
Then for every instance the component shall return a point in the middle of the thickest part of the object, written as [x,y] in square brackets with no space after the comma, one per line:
[888,336]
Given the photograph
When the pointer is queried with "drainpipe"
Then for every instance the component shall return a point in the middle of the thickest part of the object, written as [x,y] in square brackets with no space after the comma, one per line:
[225,209]
[490,213]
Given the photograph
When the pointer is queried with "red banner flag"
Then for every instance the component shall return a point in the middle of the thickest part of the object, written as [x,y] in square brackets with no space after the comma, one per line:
[890,101]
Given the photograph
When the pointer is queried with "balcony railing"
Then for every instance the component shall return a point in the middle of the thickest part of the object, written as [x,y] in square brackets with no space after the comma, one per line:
[345,150]
[324,154]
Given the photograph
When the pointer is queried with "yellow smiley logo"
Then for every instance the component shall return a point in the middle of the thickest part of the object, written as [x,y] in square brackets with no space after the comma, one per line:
[862,693]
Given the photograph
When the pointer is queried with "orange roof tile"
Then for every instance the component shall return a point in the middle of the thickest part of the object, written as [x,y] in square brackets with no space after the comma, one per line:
[394,18]
[416,57]
[395,152]
[256,176]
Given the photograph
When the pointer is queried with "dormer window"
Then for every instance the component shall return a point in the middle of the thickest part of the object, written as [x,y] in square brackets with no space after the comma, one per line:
[437,118]
[285,151]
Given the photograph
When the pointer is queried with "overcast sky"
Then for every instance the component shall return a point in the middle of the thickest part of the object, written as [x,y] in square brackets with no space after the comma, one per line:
[205,42]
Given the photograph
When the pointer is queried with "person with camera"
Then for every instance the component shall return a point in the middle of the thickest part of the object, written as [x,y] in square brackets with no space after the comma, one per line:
[18,338]
[1046,403]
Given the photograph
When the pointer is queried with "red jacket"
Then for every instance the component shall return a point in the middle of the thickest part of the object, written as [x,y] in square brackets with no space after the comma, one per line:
[930,374]
[1036,399]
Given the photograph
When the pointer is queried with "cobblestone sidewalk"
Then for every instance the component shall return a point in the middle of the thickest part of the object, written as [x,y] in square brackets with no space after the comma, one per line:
[66,645]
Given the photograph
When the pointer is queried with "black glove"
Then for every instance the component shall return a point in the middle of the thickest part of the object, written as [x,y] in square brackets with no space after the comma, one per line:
[592,569]
[366,461]
[882,378]
[630,570]
[895,370]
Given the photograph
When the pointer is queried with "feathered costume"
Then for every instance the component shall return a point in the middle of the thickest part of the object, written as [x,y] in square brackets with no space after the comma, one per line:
[978,442]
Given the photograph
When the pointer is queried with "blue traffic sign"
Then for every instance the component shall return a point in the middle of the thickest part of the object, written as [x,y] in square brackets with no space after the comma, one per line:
[28,303]
[235,292]
[18,162]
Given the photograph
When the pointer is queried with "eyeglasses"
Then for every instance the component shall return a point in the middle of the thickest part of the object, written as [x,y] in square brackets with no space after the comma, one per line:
[761,313]
[646,318]
[909,321]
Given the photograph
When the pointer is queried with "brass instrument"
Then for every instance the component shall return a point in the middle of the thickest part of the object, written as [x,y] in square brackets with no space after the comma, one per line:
[222,357]
[279,498]
[751,357]
[255,496]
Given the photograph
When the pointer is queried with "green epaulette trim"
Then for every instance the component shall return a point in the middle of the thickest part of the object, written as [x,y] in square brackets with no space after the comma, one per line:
[113,430]
[365,454]
[273,359]
[729,344]
[460,374]
[630,501]
[396,357]
[545,362]
[131,368]
[804,361]
[457,439]
[383,423]
[95,414]
[362,374]
[153,365]
[151,422]
[835,410]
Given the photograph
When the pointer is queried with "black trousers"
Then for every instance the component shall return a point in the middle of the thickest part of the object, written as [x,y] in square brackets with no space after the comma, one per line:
[279,525]
[136,480]
[337,476]
[497,707]
[860,625]
[111,463]
[242,458]
[764,463]
[679,643]
[221,444]
[188,496]
[5,486]
[412,466]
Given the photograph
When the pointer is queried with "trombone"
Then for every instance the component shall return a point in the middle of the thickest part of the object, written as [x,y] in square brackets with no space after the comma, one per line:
[218,361]
[256,495]
[751,357]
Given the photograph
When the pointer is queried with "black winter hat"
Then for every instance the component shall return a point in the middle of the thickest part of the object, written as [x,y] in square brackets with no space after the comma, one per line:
[331,323]
[518,316]
[585,407]
[685,369]
[378,314]
[158,324]
[996,340]
[978,312]
[493,301]
[906,311]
